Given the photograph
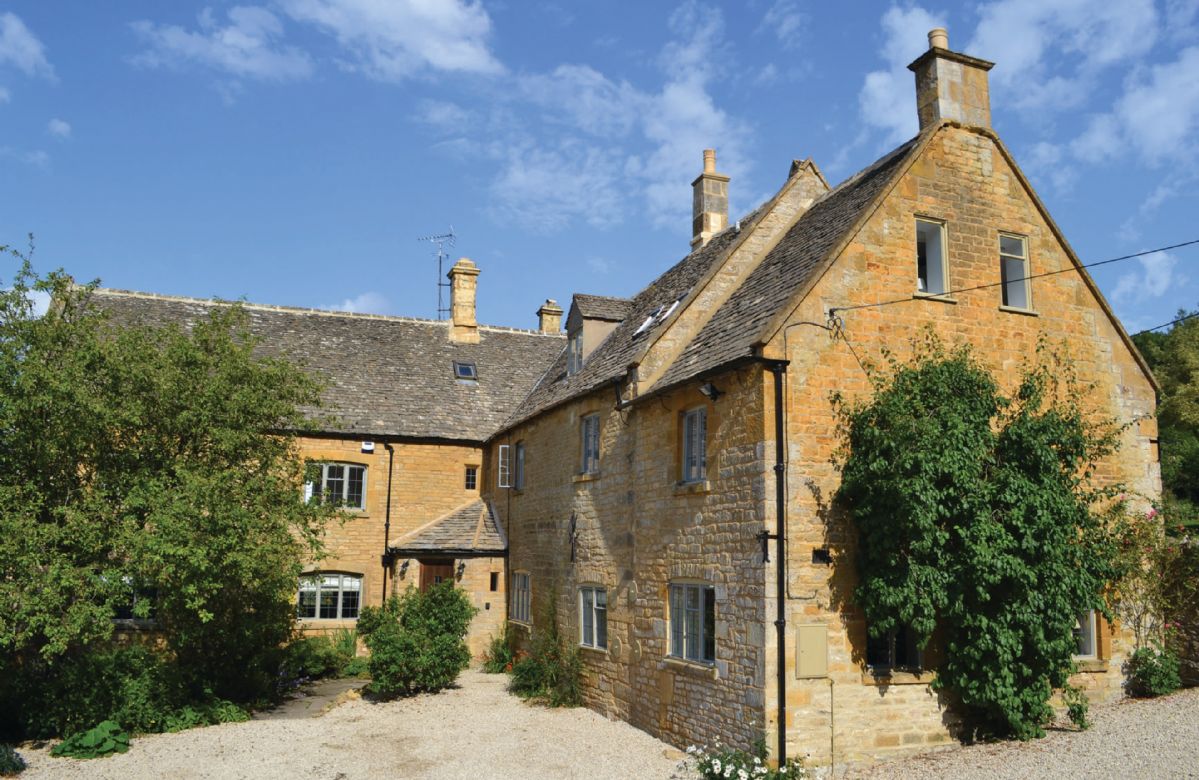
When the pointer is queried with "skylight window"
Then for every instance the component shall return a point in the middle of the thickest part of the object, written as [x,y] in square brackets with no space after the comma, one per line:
[464,370]
[657,316]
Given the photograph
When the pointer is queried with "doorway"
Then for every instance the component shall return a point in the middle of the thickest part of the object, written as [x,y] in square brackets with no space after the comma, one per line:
[436,571]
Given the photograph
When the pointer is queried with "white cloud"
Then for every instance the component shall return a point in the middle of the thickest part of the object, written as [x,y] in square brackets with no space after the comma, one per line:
[1031,39]
[1100,141]
[21,48]
[786,21]
[1159,114]
[595,149]
[582,97]
[4,95]
[248,46]
[545,189]
[366,303]
[599,265]
[443,114]
[1153,279]
[887,100]
[59,128]
[40,300]
[36,158]
[390,40]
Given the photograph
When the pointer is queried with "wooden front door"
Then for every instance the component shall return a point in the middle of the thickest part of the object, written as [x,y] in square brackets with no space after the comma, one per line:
[434,572]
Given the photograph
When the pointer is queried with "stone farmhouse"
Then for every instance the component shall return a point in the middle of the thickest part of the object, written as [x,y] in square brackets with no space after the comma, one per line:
[659,481]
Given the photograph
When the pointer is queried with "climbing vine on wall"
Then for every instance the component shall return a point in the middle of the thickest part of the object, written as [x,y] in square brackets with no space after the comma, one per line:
[978,516]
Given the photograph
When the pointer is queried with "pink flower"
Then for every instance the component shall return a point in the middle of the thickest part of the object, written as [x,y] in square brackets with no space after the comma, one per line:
[1152,513]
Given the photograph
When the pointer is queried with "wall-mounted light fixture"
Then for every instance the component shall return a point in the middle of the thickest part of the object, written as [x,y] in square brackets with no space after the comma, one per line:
[710,391]
[461,569]
[404,567]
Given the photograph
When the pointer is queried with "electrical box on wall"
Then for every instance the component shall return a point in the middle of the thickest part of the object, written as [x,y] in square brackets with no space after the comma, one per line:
[368,446]
[811,651]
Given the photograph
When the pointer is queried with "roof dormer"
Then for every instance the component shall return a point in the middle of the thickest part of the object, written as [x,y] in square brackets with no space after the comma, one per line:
[591,319]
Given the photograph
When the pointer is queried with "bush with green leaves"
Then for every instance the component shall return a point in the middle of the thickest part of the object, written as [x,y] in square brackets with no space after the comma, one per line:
[137,458]
[499,655]
[1077,706]
[103,740]
[977,516]
[11,762]
[725,763]
[552,670]
[417,641]
[1153,671]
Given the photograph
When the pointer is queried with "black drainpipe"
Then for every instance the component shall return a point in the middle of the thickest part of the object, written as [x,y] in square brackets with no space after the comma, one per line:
[778,368]
[387,521]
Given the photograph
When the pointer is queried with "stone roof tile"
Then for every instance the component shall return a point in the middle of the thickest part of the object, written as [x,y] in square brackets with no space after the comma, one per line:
[385,376]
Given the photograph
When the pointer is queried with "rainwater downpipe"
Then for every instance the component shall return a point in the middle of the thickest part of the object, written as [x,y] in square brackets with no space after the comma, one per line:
[387,521]
[778,368]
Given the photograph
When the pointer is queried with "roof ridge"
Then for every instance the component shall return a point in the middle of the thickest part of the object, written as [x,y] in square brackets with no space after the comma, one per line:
[116,292]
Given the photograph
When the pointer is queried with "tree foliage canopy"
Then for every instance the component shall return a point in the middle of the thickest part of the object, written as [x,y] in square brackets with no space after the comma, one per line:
[136,459]
[978,519]
[1174,358]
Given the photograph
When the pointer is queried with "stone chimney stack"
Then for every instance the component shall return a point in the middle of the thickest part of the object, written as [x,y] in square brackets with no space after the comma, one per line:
[950,85]
[710,203]
[549,317]
[464,281]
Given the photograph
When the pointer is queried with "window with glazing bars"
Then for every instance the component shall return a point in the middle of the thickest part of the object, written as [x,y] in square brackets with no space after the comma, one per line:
[343,484]
[593,617]
[590,435]
[693,622]
[1013,269]
[329,597]
[695,445]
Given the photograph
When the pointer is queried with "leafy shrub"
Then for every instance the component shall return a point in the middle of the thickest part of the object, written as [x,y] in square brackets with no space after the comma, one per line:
[552,670]
[105,739]
[1153,671]
[947,479]
[1077,706]
[11,762]
[416,641]
[311,657]
[206,714]
[724,763]
[499,655]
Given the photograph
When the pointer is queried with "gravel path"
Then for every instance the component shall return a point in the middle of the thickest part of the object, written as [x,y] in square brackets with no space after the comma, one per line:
[1130,740]
[474,731]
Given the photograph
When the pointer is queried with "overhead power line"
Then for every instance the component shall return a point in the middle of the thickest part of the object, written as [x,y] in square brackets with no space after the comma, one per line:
[1168,324]
[834,311]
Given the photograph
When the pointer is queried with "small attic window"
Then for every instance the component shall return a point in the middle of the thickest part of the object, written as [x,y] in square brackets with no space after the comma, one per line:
[657,316]
[463,370]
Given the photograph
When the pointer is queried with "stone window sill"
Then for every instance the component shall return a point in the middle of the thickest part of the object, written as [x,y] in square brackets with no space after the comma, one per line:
[692,488]
[527,626]
[882,677]
[589,476]
[1091,665]
[599,651]
[942,297]
[1025,312]
[692,668]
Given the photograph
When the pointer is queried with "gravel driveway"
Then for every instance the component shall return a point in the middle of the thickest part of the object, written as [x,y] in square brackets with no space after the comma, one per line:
[1154,739]
[474,731]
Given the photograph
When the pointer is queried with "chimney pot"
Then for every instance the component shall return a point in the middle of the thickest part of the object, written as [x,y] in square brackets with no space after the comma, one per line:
[549,317]
[709,203]
[938,38]
[464,282]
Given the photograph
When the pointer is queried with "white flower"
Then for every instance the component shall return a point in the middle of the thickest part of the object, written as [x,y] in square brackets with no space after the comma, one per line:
[757,760]
[716,765]
[692,749]
[728,771]
[742,774]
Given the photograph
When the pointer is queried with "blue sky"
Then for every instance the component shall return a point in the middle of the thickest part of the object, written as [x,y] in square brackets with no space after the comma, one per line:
[293,151]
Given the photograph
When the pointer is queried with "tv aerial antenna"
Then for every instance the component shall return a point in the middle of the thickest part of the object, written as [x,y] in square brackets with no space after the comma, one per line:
[442,242]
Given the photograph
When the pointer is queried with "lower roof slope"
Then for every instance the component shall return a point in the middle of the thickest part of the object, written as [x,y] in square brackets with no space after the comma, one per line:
[470,529]
[385,376]
[737,326]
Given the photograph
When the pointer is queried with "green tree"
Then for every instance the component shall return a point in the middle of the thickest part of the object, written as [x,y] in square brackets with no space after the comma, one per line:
[135,459]
[1174,358]
[977,518]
